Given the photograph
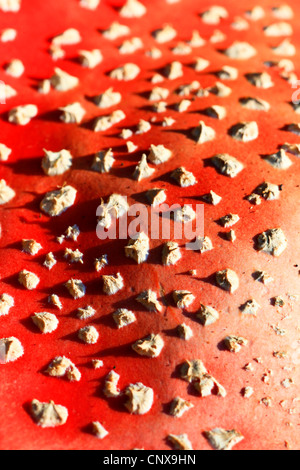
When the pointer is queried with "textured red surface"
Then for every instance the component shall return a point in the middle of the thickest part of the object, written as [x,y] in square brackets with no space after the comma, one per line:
[20,382]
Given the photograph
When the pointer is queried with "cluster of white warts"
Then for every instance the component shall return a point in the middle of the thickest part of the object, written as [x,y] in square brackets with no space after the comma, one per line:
[55,202]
